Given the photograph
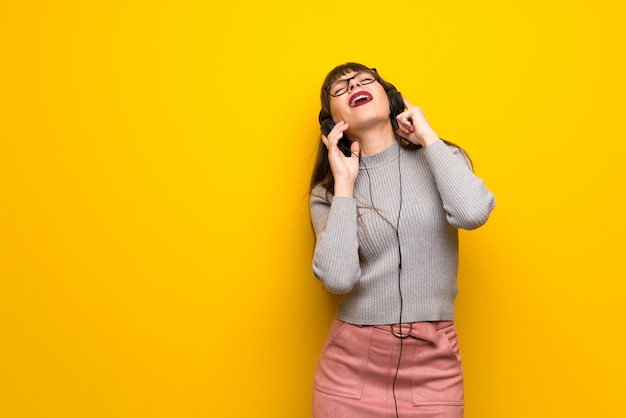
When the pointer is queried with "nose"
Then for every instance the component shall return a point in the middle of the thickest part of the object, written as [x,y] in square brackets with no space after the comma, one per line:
[353,83]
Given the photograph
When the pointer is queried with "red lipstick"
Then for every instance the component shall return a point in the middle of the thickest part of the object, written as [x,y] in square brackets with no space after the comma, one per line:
[360,98]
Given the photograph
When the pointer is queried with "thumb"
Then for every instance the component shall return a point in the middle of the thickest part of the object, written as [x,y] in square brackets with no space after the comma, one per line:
[355,148]
[407,104]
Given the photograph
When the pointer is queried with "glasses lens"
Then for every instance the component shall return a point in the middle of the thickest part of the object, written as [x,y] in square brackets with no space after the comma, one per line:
[365,77]
[338,88]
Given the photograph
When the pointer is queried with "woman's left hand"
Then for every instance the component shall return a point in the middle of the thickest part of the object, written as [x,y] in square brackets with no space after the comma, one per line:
[413,126]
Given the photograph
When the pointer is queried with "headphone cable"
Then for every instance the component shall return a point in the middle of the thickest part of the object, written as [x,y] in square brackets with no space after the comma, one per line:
[396,229]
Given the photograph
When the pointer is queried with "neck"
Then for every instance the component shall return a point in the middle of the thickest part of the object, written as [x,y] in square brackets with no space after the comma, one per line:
[375,139]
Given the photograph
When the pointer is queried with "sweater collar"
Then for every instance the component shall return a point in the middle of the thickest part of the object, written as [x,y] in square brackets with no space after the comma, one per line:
[388,154]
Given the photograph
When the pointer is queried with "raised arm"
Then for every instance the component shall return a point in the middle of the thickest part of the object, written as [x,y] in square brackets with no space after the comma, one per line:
[466,199]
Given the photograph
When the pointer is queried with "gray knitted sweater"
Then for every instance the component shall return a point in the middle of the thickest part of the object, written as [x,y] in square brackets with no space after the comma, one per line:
[407,207]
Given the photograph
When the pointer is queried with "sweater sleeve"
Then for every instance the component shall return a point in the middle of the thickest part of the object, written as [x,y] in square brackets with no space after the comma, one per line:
[466,200]
[336,257]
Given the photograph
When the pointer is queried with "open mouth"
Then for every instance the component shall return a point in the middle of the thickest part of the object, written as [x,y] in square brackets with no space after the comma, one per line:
[360,98]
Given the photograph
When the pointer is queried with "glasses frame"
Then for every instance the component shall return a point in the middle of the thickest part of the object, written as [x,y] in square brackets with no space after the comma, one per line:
[347,81]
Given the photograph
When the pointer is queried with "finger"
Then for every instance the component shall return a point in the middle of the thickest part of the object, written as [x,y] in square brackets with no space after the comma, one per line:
[337,133]
[355,149]
[326,141]
[407,104]
[333,146]
[331,140]
[404,123]
[341,126]
[402,133]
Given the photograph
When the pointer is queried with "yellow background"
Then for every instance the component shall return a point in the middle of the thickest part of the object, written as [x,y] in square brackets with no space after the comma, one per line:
[155,243]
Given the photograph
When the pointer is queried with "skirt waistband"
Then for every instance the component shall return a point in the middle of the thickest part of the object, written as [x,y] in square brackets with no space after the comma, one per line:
[422,330]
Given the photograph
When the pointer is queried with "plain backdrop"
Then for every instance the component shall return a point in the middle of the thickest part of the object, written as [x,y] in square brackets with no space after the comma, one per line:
[155,243]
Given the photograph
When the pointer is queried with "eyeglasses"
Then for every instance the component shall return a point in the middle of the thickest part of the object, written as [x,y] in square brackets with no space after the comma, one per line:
[363,77]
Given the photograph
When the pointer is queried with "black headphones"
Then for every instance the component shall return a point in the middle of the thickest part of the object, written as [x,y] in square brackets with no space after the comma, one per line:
[396,106]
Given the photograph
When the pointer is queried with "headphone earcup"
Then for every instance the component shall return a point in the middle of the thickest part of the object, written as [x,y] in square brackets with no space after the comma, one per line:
[326,126]
[344,143]
[396,103]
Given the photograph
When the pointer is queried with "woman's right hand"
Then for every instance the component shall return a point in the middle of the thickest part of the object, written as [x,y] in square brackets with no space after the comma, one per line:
[345,169]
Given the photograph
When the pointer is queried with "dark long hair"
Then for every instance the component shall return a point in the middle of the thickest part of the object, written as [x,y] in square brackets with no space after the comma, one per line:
[322,174]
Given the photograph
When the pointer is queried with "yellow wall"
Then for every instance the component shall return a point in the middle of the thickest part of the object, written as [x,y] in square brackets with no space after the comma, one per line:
[154,236]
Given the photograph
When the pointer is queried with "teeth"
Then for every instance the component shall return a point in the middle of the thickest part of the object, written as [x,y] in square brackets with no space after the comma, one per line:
[356,99]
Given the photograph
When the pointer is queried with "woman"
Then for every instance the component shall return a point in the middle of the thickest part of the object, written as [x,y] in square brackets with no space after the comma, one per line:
[387,198]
